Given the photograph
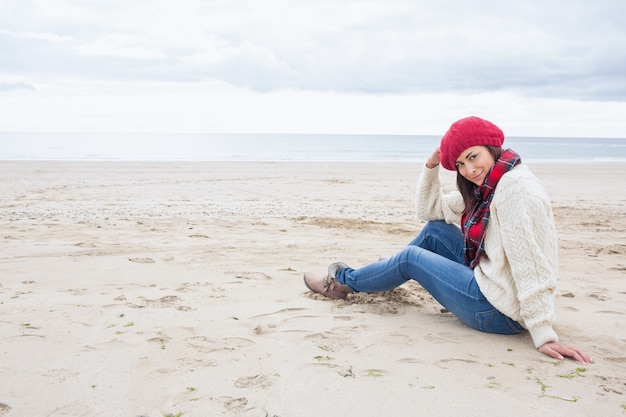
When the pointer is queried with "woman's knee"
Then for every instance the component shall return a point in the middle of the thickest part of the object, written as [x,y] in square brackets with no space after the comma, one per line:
[408,256]
[428,230]
[437,227]
[434,231]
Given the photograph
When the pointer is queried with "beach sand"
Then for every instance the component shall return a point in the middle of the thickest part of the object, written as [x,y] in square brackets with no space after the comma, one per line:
[153,289]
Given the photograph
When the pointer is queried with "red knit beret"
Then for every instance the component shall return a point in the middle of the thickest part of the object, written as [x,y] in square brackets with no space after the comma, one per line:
[465,133]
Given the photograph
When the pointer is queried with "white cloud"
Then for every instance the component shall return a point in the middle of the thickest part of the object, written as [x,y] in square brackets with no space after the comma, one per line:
[352,52]
[120,45]
[50,37]
[5,86]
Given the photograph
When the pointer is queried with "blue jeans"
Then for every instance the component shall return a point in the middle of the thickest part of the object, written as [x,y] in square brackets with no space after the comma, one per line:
[435,259]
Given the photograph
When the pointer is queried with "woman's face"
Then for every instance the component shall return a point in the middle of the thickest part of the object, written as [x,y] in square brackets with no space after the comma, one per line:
[474,164]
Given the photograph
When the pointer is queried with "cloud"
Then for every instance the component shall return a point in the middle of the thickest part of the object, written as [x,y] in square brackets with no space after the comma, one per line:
[50,37]
[570,49]
[4,86]
[325,65]
[122,46]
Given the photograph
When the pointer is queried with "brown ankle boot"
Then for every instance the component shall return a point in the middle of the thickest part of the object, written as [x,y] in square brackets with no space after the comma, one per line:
[326,284]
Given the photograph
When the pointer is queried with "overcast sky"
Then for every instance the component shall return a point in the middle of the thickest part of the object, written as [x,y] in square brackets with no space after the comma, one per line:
[534,67]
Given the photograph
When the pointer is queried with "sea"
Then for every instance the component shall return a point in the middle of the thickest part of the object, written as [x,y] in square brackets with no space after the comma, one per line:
[282,147]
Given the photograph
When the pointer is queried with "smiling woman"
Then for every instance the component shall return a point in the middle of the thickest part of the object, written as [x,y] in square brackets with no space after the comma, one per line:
[475,162]
[488,252]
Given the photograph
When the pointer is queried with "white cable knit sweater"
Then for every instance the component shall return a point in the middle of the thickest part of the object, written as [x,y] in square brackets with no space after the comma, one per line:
[518,270]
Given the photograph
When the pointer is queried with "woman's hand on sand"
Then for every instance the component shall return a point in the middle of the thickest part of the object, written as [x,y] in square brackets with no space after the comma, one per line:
[560,351]
[433,160]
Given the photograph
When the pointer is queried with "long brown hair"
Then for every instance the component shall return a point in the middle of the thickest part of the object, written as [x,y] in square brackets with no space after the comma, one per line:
[466,187]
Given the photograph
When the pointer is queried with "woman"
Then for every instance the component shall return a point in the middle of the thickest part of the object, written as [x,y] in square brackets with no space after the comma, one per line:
[498,271]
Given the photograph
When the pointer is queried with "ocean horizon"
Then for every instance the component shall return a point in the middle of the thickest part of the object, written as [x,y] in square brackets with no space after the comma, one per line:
[282,147]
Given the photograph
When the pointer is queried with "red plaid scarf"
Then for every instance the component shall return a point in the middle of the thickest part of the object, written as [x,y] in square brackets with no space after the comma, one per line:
[475,221]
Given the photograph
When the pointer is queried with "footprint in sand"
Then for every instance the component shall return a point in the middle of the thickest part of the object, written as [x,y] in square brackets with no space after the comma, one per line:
[85,245]
[261,381]
[207,344]
[598,296]
[142,260]
[610,384]
[252,275]
[168,301]
[235,404]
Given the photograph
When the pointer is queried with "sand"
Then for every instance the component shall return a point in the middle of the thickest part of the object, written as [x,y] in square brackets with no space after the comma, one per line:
[154,289]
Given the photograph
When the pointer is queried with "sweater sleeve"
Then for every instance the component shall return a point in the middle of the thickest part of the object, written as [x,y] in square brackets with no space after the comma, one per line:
[430,201]
[529,241]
